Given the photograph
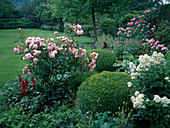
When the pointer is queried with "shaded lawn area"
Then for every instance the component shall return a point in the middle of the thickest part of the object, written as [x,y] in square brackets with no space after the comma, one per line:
[10,63]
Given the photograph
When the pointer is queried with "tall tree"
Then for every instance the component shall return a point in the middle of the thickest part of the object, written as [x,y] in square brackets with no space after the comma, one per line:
[81,8]
[6,9]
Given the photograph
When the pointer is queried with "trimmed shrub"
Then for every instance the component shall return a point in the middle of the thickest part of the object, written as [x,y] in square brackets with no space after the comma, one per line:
[104,61]
[22,23]
[125,19]
[108,26]
[103,92]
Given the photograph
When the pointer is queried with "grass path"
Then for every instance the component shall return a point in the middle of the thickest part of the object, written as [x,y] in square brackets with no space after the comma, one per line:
[10,63]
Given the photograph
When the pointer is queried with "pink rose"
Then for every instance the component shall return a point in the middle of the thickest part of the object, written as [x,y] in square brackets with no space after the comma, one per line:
[35,60]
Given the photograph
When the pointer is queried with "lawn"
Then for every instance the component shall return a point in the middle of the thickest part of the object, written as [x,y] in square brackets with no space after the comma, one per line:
[10,63]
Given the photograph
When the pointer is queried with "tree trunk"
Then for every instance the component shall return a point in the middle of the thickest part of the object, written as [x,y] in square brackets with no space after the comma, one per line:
[94,24]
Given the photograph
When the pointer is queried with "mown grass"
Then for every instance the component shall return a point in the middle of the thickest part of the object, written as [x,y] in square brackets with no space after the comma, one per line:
[10,63]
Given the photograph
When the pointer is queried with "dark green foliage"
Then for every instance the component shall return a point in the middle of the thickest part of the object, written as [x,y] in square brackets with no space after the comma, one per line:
[63,117]
[23,23]
[104,92]
[77,78]
[108,26]
[10,97]
[87,28]
[164,12]
[105,60]
[47,27]
[125,19]
[162,33]
[6,9]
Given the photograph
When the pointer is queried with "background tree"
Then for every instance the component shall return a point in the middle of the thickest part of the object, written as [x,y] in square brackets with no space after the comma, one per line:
[6,9]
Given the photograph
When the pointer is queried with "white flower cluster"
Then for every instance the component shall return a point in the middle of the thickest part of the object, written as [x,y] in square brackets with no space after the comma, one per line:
[164,100]
[167,79]
[138,100]
[145,62]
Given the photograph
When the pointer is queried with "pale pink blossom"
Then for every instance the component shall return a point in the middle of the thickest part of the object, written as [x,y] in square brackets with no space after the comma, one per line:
[28,56]
[35,46]
[37,53]
[80,32]
[118,32]
[16,50]
[164,48]
[55,32]
[51,55]
[79,26]
[55,52]
[26,50]
[35,60]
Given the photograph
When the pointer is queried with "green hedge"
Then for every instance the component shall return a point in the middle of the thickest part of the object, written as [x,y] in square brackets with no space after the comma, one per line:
[23,23]
[104,92]
[105,60]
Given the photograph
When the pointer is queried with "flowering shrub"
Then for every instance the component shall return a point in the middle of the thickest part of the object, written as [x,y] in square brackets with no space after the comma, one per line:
[52,61]
[140,28]
[152,82]
[152,45]
[77,29]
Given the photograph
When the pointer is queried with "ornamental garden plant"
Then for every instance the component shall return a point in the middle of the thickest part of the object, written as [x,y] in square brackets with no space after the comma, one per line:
[123,83]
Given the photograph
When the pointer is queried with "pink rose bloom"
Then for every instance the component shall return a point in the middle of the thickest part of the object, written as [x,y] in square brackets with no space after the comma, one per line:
[24,58]
[28,56]
[42,44]
[29,73]
[151,44]
[139,25]
[129,31]
[140,20]
[26,50]
[164,48]
[16,50]
[130,23]
[54,52]
[35,46]
[144,44]
[79,26]
[152,47]
[133,19]
[35,60]
[128,28]
[141,30]
[156,42]
[136,22]
[80,32]
[161,46]
[51,55]
[56,31]
[157,48]
[37,53]
[50,48]
[52,39]
[118,32]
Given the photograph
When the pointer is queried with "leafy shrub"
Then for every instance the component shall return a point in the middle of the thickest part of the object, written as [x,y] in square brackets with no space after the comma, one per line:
[133,46]
[47,27]
[163,33]
[87,28]
[163,13]
[22,23]
[104,38]
[108,26]
[103,92]
[151,100]
[14,94]
[63,117]
[53,62]
[125,19]
[105,60]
